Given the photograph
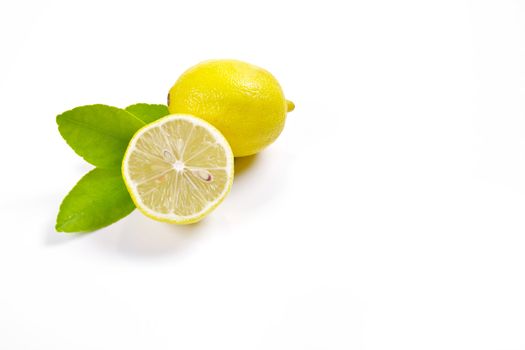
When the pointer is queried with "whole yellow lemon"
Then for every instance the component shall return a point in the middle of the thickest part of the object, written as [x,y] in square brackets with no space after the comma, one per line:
[245,102]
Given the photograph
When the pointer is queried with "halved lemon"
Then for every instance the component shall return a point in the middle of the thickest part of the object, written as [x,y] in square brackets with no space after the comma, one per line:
[178,169]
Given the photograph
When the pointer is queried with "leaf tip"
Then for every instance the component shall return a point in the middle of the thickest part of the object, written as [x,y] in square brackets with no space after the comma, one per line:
[59,228]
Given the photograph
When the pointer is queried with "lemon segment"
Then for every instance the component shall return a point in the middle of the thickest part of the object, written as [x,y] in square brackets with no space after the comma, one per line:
[178,169]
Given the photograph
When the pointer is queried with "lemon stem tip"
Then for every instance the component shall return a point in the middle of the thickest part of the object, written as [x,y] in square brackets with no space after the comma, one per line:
[290,106]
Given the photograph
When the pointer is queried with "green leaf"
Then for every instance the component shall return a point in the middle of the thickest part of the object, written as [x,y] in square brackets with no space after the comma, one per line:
[147,112]
[99,199]
[98,133]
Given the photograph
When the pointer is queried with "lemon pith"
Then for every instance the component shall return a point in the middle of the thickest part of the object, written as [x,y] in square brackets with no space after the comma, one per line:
[178,169]
[245,102]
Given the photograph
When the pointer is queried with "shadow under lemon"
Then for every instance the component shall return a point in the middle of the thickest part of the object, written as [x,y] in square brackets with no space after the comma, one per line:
[243,164]
[140,236]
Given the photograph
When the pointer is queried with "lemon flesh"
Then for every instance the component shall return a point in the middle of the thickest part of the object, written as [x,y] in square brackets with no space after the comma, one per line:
[245,102]
[178,169]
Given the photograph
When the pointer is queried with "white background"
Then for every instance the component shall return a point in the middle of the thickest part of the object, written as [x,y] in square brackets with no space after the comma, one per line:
[390,214]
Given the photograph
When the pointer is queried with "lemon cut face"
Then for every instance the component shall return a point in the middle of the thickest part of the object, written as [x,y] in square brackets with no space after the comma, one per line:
[178,169]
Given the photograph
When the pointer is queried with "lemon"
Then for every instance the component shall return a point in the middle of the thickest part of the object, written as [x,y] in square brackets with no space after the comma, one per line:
[178,169]
[245,102]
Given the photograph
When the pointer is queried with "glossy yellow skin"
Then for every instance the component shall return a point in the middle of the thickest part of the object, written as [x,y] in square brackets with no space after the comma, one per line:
[245,102]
